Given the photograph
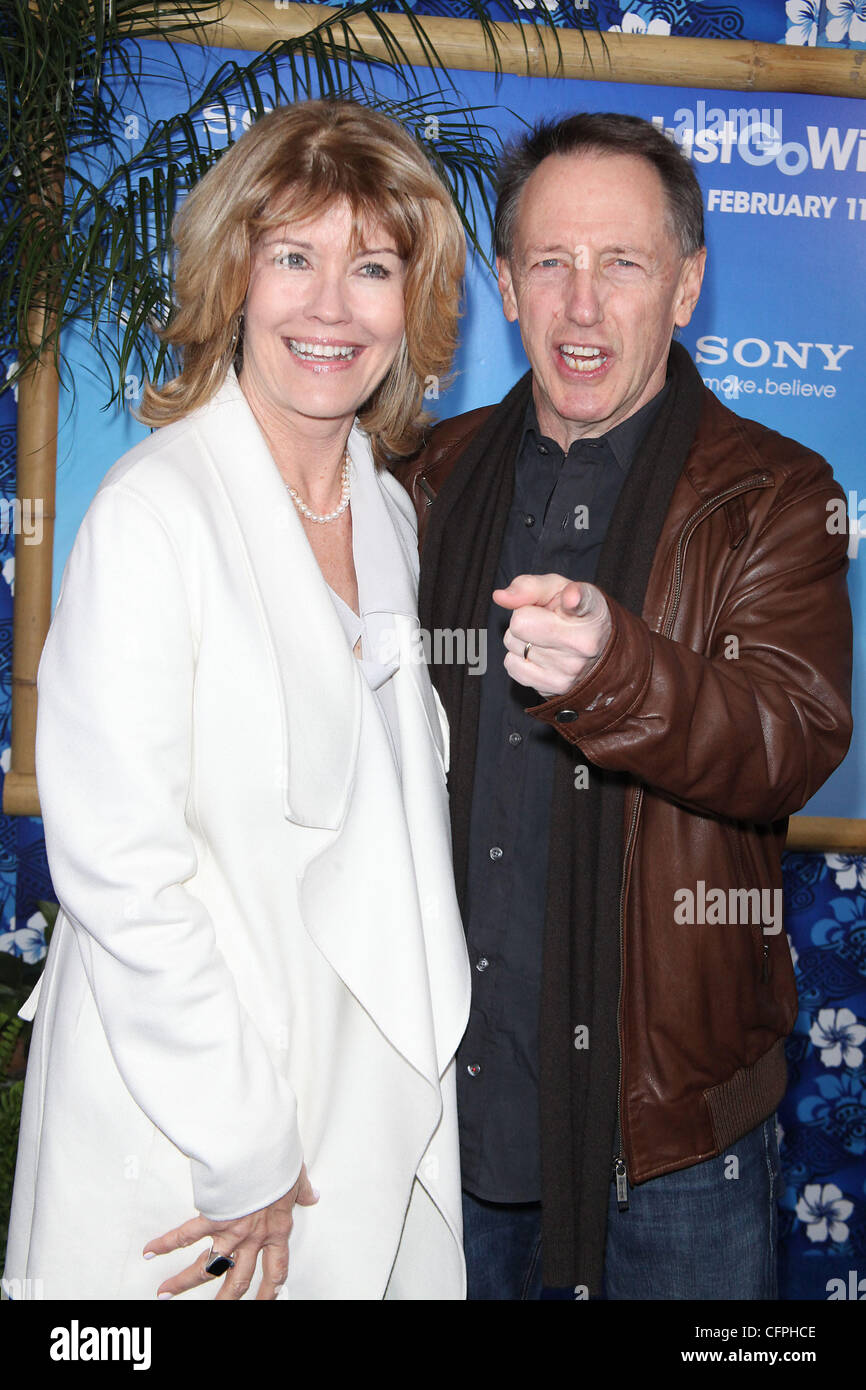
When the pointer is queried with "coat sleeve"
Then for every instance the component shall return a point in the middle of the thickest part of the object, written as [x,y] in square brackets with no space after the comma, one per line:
[751,727]
[113,766]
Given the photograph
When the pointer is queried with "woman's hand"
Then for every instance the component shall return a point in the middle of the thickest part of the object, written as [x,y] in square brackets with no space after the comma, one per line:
[266,1230]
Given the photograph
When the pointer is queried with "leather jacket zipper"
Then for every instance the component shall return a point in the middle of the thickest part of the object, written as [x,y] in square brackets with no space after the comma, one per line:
[757,480]
[620,1170]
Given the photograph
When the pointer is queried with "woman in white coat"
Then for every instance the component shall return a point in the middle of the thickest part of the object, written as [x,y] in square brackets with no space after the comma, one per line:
[258,978]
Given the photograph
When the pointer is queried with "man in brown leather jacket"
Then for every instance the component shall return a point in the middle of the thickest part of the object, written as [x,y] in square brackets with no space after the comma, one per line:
[674,614]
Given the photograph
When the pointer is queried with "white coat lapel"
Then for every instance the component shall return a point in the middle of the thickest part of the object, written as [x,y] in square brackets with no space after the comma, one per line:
[316,672]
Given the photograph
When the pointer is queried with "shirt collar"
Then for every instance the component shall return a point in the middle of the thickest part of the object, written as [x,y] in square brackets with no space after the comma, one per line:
[623,441]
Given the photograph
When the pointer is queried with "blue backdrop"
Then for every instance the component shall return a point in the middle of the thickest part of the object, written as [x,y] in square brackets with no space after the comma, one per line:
[780,331]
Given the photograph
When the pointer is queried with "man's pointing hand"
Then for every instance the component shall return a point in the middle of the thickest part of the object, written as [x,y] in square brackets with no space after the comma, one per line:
[558,628]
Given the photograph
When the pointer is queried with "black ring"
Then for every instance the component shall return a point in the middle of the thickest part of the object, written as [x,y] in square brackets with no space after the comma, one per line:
[218,1264]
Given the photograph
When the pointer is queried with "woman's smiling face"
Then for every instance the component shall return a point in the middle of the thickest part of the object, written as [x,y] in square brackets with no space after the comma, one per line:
[323,318]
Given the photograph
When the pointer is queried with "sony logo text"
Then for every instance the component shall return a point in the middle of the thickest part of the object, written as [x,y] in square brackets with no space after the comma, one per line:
[757,352]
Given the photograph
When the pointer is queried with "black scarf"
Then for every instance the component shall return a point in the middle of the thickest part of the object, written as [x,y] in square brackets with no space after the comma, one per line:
[581,973]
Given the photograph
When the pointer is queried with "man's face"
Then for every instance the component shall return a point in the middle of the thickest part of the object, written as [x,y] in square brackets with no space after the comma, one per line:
[597,283]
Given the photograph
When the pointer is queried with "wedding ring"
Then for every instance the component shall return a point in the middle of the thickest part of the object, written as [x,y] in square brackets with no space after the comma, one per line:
[526,651]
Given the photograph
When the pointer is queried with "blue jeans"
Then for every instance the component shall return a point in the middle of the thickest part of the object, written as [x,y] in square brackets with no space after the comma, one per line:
[705,1232]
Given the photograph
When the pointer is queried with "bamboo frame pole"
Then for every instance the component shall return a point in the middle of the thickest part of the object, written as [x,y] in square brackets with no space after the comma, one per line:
[826,833]
[36,463]
[735,64]
[36,480]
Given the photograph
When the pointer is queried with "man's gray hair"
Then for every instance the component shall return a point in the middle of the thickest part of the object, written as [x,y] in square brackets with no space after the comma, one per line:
[600,133]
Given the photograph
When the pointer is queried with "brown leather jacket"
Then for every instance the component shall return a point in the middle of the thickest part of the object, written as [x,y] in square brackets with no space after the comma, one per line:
[719,753]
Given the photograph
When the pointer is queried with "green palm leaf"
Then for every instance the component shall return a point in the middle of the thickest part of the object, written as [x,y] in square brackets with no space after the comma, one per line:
[85,234]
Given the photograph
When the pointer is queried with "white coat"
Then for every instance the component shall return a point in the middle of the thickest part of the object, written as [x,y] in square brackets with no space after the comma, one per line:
[259,959]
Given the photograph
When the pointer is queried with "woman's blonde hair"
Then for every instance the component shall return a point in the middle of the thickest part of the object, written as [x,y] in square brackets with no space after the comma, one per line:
[292,165]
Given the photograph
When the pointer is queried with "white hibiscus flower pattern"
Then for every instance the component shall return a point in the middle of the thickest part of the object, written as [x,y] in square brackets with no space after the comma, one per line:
[849,870]
[837,1034]
[27,942]
[802,22]
[636,24]
[848,22]
[824,1211]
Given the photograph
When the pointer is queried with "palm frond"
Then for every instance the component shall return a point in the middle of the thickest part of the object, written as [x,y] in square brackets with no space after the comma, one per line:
[85,217]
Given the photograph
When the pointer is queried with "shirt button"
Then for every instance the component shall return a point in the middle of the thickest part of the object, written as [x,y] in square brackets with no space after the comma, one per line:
[515,739]
[529,519]
[474,1069]
[543,449]
[495,853]
[482,963]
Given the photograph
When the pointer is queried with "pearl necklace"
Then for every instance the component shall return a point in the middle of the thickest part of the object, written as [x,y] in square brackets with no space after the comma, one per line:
[345,491]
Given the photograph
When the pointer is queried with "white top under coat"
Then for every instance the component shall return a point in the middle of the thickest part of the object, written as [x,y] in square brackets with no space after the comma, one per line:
[372,626]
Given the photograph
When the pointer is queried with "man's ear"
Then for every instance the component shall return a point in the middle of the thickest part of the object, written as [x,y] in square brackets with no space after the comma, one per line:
[506,289]
[691,279]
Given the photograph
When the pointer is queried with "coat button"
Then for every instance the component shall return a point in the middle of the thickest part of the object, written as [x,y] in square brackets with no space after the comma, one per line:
[566,716]
[515,739]
[495,853]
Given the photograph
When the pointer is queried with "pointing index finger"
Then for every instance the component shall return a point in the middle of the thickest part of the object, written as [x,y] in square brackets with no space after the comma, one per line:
[530,591]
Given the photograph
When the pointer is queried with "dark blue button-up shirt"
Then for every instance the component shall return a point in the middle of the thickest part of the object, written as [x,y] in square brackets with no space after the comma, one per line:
[559,517]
